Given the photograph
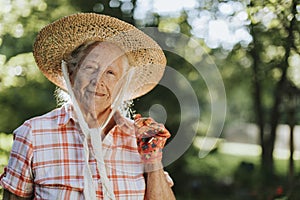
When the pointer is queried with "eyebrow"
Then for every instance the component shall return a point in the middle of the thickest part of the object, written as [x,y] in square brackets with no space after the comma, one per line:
[92,61]
[103,68]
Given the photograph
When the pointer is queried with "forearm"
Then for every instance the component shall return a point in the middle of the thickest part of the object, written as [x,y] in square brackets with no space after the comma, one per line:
[157,187]
[10,196]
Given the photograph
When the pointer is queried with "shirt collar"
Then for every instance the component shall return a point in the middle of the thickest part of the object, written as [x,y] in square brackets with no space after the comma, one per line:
[124,124]
[67,113]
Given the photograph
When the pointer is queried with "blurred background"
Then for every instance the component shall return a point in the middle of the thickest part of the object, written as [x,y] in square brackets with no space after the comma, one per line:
[255,45]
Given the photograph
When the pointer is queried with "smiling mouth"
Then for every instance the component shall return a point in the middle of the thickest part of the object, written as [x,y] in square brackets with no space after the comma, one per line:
[99,94]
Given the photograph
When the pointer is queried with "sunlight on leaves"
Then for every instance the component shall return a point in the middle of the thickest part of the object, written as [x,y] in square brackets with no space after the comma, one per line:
[294,69]
[272,53]
[12,11]
[18,70]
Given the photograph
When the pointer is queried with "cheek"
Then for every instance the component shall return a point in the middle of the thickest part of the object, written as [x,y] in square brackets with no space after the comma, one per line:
[116,88]
[80,88]
[111,84]
[77,85]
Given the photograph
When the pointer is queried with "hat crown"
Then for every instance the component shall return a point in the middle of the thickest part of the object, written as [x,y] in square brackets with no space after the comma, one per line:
[56,41]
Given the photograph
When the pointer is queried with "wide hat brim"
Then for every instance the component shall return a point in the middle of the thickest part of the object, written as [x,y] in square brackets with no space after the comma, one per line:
[56,41]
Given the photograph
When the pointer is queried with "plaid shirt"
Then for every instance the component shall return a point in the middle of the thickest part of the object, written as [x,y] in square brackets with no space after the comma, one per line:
[47,159]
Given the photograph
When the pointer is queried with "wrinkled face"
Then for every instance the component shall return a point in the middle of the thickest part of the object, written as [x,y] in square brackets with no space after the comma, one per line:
[96,78]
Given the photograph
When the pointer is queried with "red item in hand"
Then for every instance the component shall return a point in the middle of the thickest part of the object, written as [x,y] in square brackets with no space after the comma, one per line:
[151,138]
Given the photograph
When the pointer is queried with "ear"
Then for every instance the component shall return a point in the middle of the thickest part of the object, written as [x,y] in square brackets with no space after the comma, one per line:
[72,77]
[72,73]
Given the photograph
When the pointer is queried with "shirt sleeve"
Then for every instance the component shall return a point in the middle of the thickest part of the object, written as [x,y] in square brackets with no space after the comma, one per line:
[17,177]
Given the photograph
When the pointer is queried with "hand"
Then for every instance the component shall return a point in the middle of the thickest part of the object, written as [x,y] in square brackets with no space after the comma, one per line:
[151,138]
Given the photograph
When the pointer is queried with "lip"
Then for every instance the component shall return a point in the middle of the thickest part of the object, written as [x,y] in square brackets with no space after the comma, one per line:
[99,94]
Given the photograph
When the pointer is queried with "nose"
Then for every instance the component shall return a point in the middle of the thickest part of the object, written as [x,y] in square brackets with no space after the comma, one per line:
[97,82]
[100,82]
[94,81]
[96,78]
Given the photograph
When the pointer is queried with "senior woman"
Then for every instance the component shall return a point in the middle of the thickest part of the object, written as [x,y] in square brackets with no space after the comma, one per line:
[87,149]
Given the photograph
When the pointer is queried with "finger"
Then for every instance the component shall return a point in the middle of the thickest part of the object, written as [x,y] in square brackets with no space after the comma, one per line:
[139,121]
[145,120]
[137,116]
[169,179]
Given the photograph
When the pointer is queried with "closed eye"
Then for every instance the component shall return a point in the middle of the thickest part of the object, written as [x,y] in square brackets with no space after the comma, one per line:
[90,67]
[110,72]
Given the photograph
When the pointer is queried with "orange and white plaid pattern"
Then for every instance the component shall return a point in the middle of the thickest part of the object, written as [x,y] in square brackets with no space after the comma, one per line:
[47,159]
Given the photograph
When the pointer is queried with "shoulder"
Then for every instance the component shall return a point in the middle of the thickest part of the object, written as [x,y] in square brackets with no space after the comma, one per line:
[51,118]
[53,115]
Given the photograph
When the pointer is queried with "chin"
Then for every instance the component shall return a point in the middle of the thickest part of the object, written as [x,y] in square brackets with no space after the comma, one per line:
[100,109]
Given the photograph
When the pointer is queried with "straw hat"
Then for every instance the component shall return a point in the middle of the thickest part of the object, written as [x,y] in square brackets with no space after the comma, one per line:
[57,40]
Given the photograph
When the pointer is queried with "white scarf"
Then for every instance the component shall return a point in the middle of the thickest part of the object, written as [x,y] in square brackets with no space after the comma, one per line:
[95,135]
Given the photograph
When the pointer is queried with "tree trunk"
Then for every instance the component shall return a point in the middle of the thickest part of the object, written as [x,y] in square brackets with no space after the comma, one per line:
[292,148]
[280,90]
[257,100]
[267,143]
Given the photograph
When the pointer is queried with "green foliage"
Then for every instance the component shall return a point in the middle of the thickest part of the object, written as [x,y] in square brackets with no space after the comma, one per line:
[6,141]
[34,102]
[24,91]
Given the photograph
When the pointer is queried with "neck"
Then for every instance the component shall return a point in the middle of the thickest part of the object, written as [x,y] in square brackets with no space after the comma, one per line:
[98,120]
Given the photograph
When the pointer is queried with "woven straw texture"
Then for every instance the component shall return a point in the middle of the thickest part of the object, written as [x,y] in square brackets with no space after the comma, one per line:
[57,40]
